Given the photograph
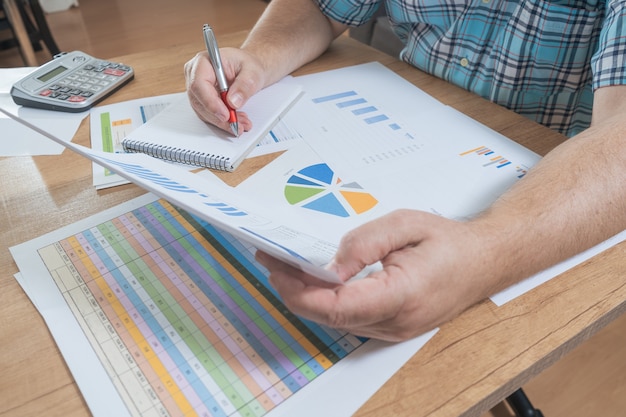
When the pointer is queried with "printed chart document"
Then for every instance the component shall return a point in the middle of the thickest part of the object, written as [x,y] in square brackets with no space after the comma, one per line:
[177,134]
[374,147]
[159,313]
[111,123]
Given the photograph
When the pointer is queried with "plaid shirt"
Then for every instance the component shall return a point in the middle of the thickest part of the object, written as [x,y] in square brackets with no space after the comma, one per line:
[541,59]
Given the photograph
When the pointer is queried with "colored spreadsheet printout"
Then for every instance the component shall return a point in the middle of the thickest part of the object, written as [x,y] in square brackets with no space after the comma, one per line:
[182,319]
[200,329]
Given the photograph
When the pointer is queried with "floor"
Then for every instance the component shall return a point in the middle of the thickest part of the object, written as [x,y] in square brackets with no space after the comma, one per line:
[586,383]
[106,29]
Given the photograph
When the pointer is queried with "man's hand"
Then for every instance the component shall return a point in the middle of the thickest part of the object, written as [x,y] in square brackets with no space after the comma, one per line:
[244,76]
[432,270]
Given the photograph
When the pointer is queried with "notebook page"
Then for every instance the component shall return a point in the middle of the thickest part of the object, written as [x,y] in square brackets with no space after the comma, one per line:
[178,126]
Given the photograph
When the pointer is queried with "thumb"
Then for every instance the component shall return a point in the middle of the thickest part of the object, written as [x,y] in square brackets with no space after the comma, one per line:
[245,85]
[374,240]
[360,247]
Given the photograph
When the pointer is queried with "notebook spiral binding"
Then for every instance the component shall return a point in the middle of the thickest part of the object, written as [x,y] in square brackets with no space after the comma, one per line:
[179,155]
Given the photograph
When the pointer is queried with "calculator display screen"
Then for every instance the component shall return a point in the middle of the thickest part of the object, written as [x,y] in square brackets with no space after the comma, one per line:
[51,74]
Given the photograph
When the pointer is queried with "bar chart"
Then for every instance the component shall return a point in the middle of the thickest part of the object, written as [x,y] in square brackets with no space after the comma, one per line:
[358,107]
[494,160]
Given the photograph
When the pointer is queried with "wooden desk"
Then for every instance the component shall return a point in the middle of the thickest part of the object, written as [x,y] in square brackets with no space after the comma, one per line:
[468,367]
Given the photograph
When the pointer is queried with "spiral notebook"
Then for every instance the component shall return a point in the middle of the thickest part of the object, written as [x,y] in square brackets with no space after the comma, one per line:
[177,134]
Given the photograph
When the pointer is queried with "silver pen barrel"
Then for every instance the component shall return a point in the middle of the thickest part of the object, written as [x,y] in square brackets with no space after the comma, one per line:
[214,56]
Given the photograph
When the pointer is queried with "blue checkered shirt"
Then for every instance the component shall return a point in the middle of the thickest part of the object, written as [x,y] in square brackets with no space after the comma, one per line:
[541,59]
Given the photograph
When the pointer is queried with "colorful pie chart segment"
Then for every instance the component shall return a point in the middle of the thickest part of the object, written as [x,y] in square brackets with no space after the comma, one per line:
[316,187]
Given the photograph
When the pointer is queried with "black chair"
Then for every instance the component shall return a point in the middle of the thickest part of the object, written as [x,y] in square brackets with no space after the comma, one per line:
[521,405]
[35,24]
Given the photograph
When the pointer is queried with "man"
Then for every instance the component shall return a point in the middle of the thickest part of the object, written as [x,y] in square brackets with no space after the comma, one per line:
[547,60]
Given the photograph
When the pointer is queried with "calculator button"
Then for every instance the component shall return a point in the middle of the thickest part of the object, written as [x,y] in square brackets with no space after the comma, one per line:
[45,93]
[113,71]
[86,94]
[63,97]
[76,99]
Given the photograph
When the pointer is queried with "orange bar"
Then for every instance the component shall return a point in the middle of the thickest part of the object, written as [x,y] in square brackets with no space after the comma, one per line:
[471,150]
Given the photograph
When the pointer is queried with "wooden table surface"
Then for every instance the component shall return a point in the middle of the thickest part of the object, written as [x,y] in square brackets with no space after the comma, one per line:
[470,365]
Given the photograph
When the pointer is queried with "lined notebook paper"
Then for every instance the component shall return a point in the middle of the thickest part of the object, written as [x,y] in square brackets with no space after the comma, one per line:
[177,134]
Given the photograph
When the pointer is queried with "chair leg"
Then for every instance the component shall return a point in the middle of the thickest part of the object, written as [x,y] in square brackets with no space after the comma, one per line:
[521,405]
[31,27]
[42,27]
[14,17]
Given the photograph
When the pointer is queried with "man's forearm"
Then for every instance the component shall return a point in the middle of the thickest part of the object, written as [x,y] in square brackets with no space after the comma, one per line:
[289,34]
[573,199]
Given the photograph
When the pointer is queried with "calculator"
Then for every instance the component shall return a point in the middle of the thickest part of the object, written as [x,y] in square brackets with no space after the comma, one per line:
[72,82]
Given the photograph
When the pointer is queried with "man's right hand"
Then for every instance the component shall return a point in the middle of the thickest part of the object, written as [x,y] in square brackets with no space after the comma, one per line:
[244,75]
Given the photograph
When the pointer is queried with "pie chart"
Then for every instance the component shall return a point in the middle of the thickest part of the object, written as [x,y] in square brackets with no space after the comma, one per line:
[318,188]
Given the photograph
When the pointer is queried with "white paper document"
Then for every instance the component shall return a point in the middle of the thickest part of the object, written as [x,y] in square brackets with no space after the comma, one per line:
[18,140]
[373,147]
[99,343]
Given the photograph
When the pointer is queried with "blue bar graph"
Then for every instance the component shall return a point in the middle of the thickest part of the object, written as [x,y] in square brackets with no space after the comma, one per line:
[376,119]
[334,97]
[358,107]
[351,103]
[364,110]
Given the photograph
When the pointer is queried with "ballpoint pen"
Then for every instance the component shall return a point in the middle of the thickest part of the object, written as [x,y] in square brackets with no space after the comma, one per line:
[216,61]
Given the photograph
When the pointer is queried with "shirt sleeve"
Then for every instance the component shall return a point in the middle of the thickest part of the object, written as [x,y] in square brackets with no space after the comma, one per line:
[609,62]
[349,12]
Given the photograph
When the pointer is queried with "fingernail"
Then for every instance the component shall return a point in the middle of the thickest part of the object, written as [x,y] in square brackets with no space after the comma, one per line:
[332,266]
[236,100]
